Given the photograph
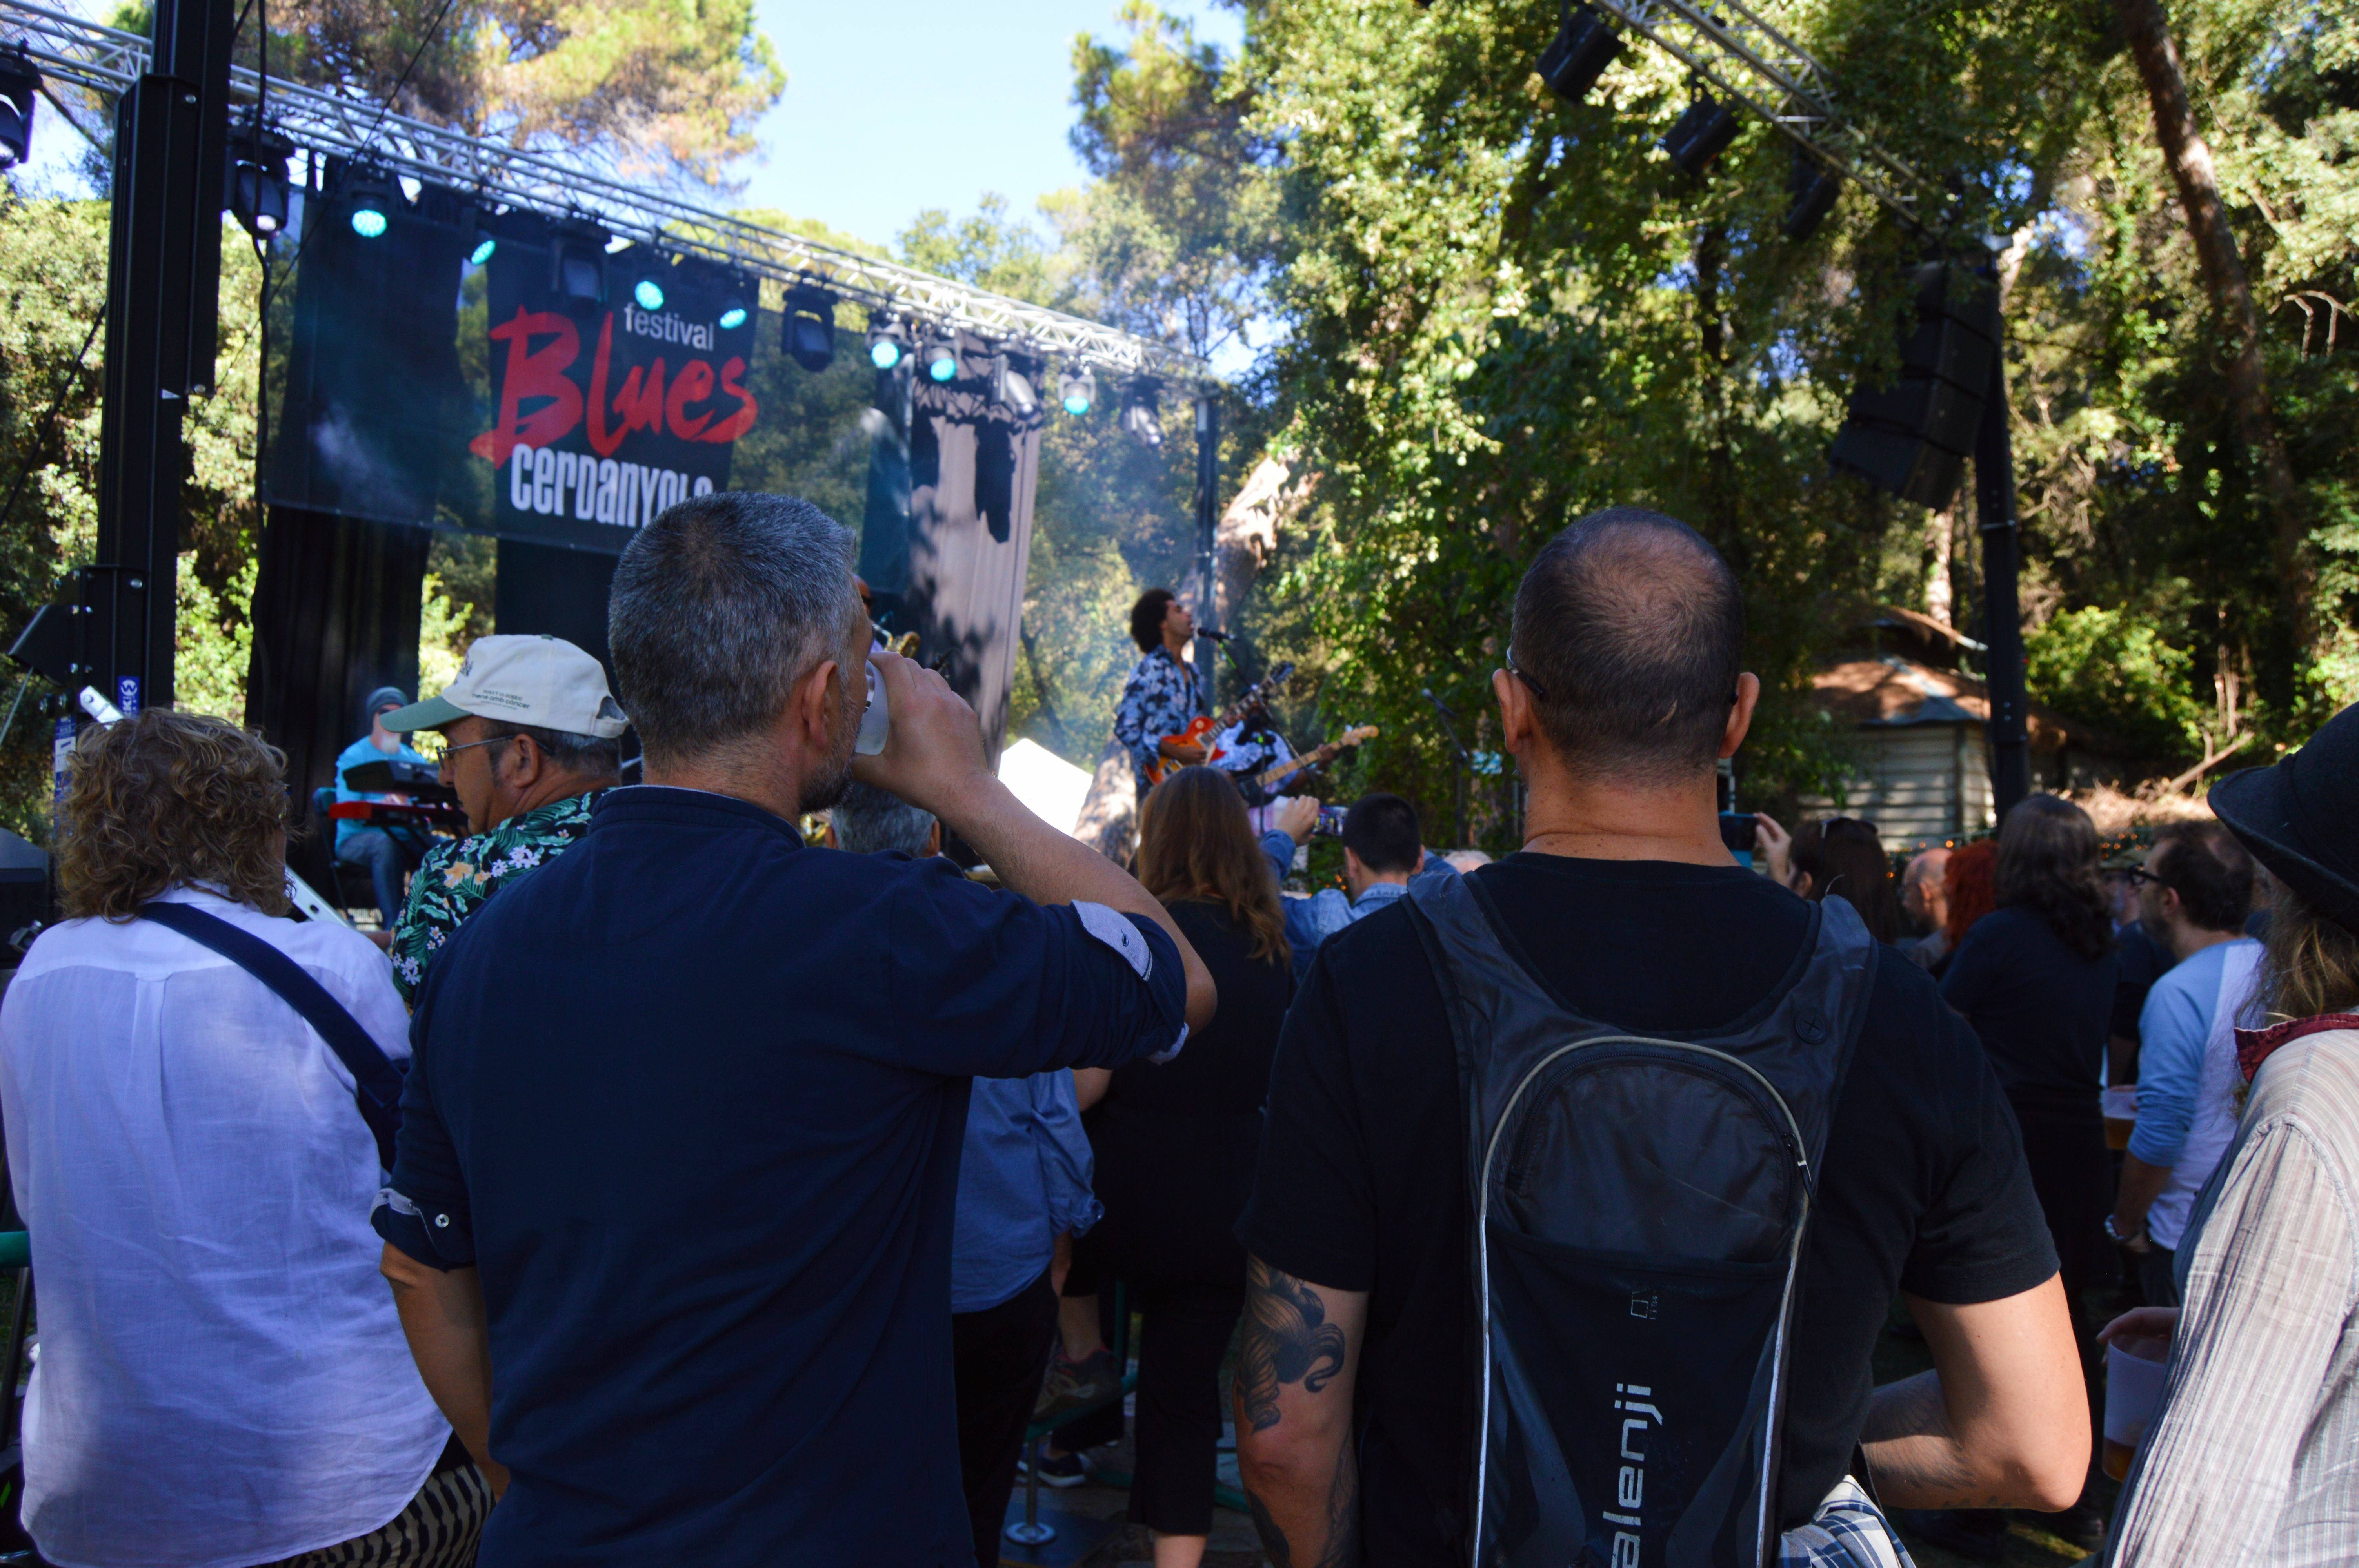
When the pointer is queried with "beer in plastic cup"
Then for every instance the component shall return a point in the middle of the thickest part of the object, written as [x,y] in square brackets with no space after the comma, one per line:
[2119,1104]
[2134,1380]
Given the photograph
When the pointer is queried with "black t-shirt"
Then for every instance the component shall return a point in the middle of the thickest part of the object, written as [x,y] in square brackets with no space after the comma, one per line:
[1362,1184]
[2042,1010]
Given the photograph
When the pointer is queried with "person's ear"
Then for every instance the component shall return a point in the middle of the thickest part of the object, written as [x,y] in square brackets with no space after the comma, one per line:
[1740,713]
[1800,884]
[522,762]
[934,839]
[816,701]
[1352,869]
[1517,721]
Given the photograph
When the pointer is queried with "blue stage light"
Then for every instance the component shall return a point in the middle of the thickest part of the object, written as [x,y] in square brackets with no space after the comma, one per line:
[889,339]
[483,251]
[368,223]
[648,293]
[371,198]
[1077,389]
[733,315]
[942,359]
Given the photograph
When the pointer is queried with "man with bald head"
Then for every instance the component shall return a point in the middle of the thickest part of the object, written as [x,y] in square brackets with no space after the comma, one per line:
[1623,687]
[1925,897]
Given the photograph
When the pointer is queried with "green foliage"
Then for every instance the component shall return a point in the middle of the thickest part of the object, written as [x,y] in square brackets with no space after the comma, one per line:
[2111,668]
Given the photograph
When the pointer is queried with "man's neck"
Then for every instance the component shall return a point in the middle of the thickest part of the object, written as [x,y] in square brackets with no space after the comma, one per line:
[550,793]
[1606,819]
[1177,648]
[754,779]
[1378,879]
[2185,941]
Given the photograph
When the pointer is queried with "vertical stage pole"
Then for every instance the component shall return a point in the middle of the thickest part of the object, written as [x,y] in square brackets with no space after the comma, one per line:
[163,286]
[2002,615]
[1208,614]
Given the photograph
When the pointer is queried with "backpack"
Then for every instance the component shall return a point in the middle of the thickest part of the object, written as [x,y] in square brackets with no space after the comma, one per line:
[1639,1206]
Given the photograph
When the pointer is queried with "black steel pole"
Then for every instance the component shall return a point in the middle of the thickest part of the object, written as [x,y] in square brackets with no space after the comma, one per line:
[2011,740]
[1208,614]
[163,283]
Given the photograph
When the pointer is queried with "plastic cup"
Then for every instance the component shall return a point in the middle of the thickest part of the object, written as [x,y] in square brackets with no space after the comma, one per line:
[2119,1105]
[2134,1381]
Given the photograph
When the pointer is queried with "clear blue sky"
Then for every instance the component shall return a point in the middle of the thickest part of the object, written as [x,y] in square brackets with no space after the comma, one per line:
[893,106]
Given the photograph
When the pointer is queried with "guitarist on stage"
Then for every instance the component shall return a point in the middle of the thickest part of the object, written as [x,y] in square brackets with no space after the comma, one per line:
[1160,697]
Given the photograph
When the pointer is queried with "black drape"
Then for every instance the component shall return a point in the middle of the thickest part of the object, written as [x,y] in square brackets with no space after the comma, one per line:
[550,590]
[975,465]
[335,616]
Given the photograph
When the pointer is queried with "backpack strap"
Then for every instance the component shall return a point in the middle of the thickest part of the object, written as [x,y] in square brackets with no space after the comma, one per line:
[377,1081]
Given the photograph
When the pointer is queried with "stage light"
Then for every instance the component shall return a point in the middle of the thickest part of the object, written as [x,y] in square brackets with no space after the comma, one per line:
[1815,187]
[1077,389]
[648,293]
[1011,388]
[733,314]
[889,339]
[18,84]
[942,356]
[810,328]
[371,197]
[1139,414]
[481,242]
[577,262]
[1584,47]
[257,183]
[1701,134]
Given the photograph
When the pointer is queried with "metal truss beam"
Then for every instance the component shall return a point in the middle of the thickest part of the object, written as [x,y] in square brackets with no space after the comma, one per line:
[1747,59]
[106,62]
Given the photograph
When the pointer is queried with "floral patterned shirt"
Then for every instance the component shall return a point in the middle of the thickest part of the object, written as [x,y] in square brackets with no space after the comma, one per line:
[459,874]
[1159,699]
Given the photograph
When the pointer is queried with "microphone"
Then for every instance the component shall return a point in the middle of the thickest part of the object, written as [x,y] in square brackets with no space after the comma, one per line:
[1215,636]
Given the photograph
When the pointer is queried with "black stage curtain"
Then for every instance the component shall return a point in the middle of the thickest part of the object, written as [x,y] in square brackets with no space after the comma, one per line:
[549,590]
[975,465]
[335,616]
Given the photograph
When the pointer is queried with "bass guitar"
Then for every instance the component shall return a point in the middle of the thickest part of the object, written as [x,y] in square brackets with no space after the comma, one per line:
[1201,729]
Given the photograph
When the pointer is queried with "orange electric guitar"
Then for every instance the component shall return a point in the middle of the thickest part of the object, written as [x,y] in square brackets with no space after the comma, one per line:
[1201,729]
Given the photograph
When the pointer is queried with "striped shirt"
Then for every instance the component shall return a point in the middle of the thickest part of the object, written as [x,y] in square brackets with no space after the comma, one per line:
[2250,1460]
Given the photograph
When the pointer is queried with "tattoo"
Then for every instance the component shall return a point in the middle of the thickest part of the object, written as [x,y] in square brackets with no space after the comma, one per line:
[1342,1522]
[1288,1339]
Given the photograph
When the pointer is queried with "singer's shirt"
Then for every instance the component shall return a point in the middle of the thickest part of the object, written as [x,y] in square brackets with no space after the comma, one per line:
[1159,699]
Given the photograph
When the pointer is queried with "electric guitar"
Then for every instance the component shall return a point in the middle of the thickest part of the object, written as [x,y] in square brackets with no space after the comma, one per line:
[1332,749]
[1201,729]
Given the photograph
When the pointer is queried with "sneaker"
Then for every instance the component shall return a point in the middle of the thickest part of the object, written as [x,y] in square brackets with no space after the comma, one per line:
[1056,1469]
[1076,1385]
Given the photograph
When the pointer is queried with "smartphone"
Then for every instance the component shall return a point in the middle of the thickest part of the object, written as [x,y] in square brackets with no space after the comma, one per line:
[1739,831]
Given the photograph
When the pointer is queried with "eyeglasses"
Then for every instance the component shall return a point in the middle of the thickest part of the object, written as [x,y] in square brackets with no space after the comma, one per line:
[1536,689]
[451,752]
[2139,876]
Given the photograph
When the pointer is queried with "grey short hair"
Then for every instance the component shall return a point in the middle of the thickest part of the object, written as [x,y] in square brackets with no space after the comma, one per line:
[867,821]
[720,606]
[584,755]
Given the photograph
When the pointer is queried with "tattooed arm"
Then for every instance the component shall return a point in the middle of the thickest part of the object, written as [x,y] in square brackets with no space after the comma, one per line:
[1295,1366]
[2001,1421]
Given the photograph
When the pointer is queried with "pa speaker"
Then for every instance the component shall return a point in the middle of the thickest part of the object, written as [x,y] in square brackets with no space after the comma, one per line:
[1912,435]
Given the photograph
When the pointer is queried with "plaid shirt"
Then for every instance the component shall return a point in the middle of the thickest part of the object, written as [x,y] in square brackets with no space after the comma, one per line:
[1159,699]
[457,875]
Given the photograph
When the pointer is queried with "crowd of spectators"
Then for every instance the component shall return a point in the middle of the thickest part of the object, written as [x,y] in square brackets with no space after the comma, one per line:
[751,1199]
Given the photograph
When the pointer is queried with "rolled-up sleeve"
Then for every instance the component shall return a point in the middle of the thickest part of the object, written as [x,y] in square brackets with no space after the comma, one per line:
[990,985]
[423,1210]
[1068,1169]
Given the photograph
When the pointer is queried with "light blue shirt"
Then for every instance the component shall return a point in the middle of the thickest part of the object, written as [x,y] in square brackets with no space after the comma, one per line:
[1310,921]
[365,751]
[1024,1177]
[2173,1030]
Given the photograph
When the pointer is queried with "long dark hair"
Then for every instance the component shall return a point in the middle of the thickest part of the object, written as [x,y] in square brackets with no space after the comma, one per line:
[1846,861]
[2048,853]
[1195,841]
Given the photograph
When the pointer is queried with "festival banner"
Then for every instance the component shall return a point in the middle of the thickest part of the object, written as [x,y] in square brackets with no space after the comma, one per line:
[607,413]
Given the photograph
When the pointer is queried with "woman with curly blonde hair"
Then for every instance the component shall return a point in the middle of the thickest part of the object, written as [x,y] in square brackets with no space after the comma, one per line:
[222,1379]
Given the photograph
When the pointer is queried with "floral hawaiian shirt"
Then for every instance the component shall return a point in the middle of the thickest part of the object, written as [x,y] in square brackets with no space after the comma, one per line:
[1159,699]
[459,874]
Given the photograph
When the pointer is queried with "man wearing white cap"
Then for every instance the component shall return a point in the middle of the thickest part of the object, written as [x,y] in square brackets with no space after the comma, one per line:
[530,733]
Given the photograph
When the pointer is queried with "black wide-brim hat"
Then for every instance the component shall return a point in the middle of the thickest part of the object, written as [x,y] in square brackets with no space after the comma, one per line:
[2301,819]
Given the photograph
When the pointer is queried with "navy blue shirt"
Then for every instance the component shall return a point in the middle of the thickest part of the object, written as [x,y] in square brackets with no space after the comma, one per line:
[691,1098]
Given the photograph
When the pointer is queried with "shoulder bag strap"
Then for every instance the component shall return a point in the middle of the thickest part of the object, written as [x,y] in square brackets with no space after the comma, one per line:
[378,1080]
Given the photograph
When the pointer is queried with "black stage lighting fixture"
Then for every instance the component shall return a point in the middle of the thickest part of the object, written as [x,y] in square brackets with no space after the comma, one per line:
[1584,45]
[889,339]
[1011,383]
[1701,134]
[1815,187]
[1913,437]
[737,303]
[1139,414]
[257,182]
[943,354]
[19,83]
[481,241]
[576,264]
[372,200]
[648,290]
[808,335]
[1077,389]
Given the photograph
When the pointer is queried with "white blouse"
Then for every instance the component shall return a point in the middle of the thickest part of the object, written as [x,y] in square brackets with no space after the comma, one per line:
[222,1378]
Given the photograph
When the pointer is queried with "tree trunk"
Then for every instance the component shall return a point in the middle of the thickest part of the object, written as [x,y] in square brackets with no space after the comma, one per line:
[2190,157]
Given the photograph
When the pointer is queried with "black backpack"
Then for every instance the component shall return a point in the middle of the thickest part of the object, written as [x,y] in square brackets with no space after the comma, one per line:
[1639,1205]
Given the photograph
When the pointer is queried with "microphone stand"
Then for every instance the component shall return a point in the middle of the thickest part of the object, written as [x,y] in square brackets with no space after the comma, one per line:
[1459,770]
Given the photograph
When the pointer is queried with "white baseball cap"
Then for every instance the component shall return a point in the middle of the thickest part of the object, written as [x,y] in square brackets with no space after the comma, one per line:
[541,681]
